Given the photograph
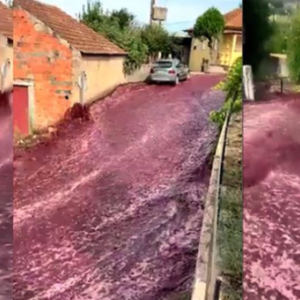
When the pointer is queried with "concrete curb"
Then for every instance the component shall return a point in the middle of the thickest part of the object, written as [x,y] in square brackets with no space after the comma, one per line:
[206,270]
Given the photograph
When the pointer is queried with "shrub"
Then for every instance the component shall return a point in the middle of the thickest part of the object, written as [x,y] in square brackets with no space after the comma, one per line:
[120,27]
[233,86]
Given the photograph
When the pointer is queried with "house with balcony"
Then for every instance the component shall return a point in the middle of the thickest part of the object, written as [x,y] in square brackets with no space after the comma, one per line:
[231,46]
[226,51]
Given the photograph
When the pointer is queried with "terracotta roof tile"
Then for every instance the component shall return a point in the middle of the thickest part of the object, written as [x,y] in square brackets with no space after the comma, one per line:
[234,19]
[75,33]
[6,21]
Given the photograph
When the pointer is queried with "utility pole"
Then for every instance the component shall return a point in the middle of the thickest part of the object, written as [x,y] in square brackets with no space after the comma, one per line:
[152,4]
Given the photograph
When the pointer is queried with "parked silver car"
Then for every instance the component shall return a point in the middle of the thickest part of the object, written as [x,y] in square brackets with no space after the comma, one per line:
[169,70]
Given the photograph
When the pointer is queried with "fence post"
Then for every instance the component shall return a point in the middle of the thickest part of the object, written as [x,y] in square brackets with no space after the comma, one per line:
[248,83]
[218,286]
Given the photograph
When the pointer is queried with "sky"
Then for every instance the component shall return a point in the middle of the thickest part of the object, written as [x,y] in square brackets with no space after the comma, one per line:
[181,13]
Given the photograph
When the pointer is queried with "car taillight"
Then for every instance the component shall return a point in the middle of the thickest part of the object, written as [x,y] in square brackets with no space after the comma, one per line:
[172,72]
[152,71]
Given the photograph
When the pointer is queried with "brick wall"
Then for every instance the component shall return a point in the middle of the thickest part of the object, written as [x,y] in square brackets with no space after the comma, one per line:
[47,60]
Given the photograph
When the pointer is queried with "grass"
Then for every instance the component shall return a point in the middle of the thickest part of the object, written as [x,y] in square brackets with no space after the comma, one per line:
[230,230]
[180,296]
[231,243]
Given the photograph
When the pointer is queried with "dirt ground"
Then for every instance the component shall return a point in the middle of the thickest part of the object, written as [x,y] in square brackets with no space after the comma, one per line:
[110,208]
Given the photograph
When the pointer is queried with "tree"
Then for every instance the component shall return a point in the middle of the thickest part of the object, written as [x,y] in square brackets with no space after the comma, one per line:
[118,26]
[123,17]
[157,39]
[293,45]
[210,25]
[279,37]
[257,32]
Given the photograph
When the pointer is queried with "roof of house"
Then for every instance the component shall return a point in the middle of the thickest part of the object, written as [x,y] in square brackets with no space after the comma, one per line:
[6,21]
[74,32]
[233,20]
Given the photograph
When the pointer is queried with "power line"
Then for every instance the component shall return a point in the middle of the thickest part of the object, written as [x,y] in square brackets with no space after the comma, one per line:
[181,22]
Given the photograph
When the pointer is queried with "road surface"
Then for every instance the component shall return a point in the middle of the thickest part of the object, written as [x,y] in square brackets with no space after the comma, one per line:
[6,195]
[272,200]
[111,209]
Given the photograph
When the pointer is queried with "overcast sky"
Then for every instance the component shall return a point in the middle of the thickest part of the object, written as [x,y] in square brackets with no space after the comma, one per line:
[181,15]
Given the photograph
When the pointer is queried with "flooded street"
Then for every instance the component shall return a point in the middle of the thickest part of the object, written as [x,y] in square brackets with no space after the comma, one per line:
[6,194]
[272,200]
[111,209]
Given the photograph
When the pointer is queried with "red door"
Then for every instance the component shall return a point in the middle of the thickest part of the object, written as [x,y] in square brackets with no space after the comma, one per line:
[21,110]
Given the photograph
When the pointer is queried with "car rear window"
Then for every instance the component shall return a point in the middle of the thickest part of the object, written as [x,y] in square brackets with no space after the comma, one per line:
[163,64]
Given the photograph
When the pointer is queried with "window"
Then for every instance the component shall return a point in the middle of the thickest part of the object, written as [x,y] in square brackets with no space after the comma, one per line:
[163,64]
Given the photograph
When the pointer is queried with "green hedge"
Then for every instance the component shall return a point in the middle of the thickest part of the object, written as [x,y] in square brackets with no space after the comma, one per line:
[233,86]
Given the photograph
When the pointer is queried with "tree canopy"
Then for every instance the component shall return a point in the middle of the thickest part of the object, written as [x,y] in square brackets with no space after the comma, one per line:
[257,32]
[210,25]
[293,47]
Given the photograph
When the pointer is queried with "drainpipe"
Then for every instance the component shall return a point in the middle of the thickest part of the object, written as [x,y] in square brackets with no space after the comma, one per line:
[82,83]
[5,68]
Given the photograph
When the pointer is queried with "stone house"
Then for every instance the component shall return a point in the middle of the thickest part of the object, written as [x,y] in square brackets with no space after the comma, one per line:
[52,50]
